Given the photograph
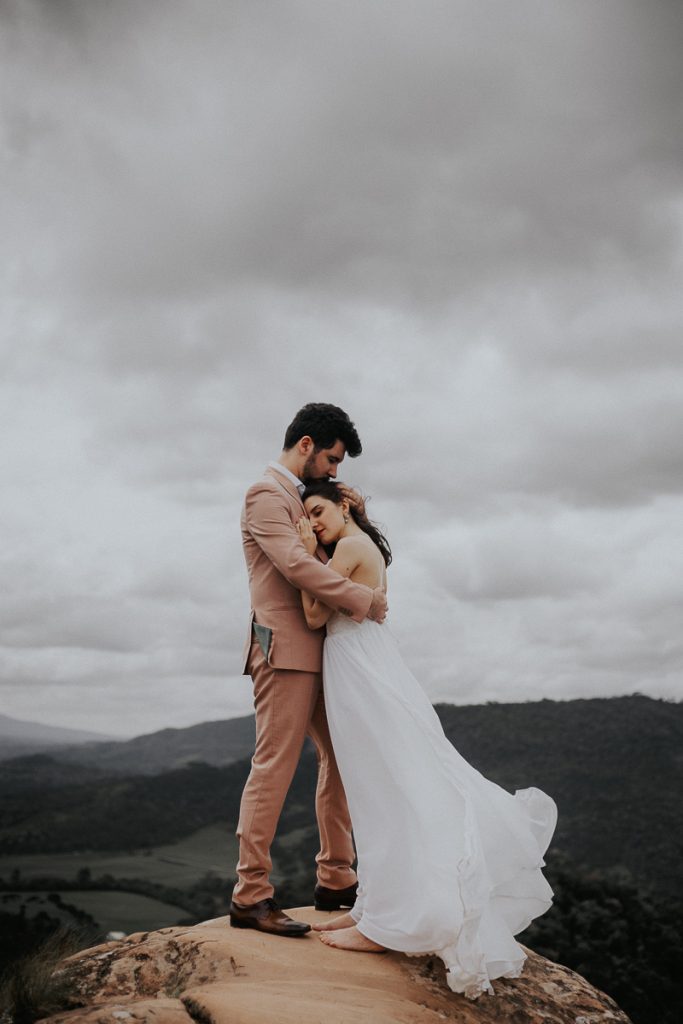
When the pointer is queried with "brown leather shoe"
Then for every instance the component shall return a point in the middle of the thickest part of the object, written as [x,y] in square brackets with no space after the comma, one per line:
[334,899]
[266,916]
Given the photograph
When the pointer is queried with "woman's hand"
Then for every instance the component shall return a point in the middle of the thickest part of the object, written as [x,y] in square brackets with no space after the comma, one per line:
[309,539]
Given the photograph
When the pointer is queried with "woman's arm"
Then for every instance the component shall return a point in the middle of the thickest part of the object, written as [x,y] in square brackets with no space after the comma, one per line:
[346,558]
[316,613]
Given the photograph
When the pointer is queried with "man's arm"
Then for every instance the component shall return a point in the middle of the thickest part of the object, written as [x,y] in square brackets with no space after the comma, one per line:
[348,556]
[269,522]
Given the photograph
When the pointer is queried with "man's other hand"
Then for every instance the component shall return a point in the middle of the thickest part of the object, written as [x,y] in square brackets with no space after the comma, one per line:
[378,608]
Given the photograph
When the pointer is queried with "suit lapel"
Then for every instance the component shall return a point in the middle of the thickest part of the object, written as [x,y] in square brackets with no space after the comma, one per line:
[286,486]
[293,493]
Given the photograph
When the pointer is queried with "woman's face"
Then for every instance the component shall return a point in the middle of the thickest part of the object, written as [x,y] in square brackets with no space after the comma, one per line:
[327,519]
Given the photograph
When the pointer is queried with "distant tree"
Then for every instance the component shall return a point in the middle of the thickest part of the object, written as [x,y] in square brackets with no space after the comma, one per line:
[624,941]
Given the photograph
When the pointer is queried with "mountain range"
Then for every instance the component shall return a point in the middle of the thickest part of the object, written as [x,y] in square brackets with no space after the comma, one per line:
[211,742]
[614,767]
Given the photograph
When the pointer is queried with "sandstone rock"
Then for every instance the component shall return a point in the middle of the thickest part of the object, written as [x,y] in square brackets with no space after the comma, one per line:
[213,974]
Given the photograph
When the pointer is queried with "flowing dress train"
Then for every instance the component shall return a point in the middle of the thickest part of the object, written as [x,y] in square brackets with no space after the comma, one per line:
[449,863]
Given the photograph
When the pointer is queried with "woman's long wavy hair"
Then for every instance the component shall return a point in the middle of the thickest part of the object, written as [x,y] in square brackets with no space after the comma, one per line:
[337,492]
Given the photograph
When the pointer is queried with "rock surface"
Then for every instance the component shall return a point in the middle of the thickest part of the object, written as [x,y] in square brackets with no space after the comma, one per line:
[212,974]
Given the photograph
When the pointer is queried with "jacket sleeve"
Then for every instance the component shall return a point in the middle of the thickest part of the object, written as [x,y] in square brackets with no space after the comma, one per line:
[270,524]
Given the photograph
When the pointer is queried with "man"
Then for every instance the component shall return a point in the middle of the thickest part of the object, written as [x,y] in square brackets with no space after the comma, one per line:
[284,658]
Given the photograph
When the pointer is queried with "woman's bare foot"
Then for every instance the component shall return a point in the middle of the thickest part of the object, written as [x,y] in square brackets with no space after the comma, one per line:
[350,938]
[343,921]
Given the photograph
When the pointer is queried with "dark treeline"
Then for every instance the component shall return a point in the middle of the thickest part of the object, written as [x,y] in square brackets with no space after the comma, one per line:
[625,941]
[116,814]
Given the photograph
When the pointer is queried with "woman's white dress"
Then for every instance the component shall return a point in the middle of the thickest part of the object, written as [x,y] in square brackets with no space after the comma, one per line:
[448,862]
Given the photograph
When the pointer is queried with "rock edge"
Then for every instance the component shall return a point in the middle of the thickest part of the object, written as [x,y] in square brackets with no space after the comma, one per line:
[213,974]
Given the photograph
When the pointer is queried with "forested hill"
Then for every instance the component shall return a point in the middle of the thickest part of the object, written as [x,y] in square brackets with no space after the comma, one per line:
[614,767]
[517,729]
[217,743]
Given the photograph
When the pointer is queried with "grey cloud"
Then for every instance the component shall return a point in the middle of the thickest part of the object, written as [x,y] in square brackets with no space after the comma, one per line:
[459,221]
[80,622]
[457,158]
[513,556]
[185,613]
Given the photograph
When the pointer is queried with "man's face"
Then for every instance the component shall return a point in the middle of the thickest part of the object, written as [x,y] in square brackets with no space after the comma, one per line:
[323,464]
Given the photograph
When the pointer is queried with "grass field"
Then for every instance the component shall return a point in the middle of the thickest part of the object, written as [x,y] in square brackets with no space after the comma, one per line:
[113,911]
[213,848]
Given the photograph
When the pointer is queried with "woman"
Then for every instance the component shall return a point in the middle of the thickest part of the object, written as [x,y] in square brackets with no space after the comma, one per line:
[448,862]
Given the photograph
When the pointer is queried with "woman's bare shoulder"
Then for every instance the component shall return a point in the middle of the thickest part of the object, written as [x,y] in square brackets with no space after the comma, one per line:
[360,548]
[353,551]
[348,547]
[348,542]
[355,543]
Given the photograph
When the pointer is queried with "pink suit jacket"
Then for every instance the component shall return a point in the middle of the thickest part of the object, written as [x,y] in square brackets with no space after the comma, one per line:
[279,567]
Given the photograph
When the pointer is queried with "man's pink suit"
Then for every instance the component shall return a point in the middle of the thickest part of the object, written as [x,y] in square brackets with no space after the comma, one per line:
[288,695]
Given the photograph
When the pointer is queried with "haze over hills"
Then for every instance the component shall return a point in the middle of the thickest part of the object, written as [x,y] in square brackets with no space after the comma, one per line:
[216,743]
[19,736]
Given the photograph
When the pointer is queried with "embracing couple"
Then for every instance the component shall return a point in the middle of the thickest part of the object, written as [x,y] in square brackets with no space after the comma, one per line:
[448,862]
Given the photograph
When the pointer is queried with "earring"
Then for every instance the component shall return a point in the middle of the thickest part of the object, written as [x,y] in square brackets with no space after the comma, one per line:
[346,518]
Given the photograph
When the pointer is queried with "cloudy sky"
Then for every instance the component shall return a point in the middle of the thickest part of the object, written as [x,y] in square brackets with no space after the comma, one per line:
[459,220]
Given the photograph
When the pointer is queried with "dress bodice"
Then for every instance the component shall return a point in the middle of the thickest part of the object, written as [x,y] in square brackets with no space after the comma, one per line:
[338,623]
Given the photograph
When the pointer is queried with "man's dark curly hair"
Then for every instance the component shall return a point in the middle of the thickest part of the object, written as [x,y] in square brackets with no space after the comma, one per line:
[325,424]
